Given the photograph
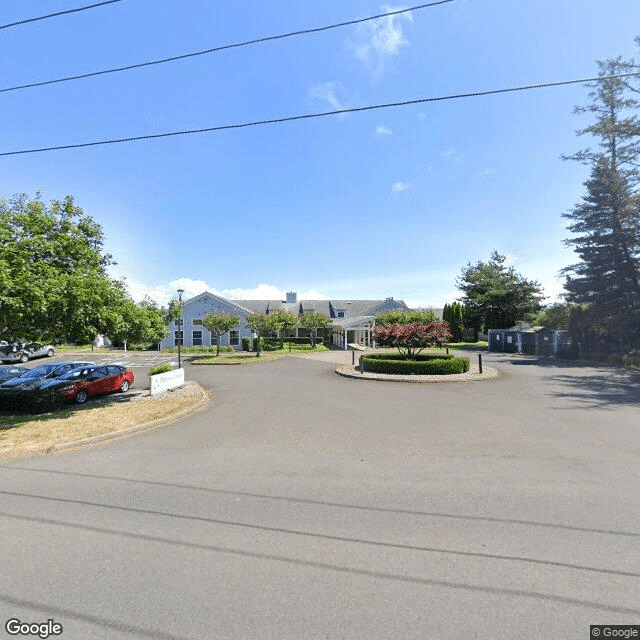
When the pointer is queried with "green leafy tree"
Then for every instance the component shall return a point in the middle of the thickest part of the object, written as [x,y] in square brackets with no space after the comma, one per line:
[53,280]
[283,321]
[497,295]
[314,321]
[401,316]
[141,323]
[606,223]
[262,325]
[555,316]
[219,323]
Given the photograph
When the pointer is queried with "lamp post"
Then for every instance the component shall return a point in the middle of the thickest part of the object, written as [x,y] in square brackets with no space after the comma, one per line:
[180,292]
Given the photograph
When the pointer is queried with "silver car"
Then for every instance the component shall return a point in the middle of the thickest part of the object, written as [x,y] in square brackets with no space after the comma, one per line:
[23,352]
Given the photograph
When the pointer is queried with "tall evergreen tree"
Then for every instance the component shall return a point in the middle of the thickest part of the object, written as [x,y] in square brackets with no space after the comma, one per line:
[496,295]
[606,223]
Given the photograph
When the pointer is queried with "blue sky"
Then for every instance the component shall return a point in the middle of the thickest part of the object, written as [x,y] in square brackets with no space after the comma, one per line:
[369,205]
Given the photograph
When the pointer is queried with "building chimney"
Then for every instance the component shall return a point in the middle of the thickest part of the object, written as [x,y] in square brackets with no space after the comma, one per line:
[292,297]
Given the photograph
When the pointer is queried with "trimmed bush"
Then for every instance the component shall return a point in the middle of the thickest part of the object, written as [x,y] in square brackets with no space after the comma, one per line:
[421,357]
[160,368]
[427,364]
[246,343]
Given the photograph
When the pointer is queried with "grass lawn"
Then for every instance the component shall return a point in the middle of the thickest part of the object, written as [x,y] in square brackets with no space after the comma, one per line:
[73,347]
[37,434]
[244,357]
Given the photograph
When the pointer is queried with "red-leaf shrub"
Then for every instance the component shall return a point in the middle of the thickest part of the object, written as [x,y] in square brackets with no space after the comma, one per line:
[410,339]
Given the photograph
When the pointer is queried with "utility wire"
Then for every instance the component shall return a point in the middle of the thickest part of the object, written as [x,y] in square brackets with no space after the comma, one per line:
[323,114]
[58,13]
[224,47]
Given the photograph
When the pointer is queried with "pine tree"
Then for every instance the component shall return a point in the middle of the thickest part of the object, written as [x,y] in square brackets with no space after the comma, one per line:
[606,223]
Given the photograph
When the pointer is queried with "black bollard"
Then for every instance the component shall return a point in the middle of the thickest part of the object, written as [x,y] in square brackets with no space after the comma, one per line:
[480,362]
[353,357]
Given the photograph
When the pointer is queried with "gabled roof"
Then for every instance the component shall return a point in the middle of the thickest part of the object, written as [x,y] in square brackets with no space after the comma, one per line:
[206,296]
[353,308]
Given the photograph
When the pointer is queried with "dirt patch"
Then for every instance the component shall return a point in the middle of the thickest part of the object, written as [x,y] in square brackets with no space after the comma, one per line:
[40,434]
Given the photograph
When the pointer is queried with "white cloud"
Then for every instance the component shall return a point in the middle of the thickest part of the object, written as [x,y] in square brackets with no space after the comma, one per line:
[381,39]
[452,155]
[329,92]
[163,293]
[485,173]
[383,130]
[398,186]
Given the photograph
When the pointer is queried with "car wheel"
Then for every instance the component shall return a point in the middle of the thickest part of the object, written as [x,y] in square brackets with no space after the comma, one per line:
[81,396]
[24,358]
[49,353]
[124,386]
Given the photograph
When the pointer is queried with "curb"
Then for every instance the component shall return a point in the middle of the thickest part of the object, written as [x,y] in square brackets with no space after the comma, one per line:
[473,375]
[115,435]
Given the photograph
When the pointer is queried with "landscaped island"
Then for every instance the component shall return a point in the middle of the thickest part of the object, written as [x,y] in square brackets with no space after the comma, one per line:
[410,333]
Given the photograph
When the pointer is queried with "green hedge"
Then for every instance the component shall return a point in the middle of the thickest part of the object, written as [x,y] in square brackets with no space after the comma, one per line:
[421,357]
[246,343]
[160,368]
[432,365]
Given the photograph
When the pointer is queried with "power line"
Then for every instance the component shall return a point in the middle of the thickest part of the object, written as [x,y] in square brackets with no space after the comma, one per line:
[323,114]
[224,47]
[58,13]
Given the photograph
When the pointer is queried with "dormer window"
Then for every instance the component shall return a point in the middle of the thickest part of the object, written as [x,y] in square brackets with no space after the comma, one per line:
[341,313]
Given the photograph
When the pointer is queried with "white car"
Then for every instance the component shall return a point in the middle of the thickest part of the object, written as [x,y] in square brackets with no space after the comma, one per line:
[23,352]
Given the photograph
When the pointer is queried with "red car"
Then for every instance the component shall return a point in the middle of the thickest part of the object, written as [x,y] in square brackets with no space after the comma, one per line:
[78,385]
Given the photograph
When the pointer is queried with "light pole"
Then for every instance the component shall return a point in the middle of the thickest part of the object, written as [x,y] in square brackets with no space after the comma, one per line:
[180,292]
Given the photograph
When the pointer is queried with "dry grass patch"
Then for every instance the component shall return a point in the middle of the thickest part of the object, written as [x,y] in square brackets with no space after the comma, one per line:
[22,435]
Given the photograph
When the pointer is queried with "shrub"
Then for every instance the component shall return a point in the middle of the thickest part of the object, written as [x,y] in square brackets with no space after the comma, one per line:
[246,343]
[432,364]
[160,368]
[632,359]
[421,357]
[225,348]
[410,339]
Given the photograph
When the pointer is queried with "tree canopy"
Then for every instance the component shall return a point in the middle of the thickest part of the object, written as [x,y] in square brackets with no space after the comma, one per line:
[314,321]
[219,323]
[496,295]
[54,284]
[606,223]
[403,316]
[412,337]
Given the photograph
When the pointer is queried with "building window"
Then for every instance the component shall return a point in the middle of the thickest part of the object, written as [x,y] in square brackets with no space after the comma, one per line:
[214,339]
[196,322]
[178,339]
[197,338]
[179,322]
[234,338]
[340,314]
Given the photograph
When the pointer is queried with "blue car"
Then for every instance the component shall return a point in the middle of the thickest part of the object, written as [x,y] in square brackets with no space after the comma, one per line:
[19,392]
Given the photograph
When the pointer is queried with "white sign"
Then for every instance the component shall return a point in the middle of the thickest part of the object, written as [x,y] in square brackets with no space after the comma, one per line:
[164,381]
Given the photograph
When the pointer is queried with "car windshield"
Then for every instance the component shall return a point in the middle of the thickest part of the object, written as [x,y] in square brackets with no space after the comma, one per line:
[38,372]
[75,374]
[5,370]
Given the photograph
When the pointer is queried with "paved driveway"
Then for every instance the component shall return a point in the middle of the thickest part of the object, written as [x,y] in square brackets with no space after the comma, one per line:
[304,505]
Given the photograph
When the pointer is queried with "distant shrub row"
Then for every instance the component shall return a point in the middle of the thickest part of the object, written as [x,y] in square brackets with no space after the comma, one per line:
[424,364]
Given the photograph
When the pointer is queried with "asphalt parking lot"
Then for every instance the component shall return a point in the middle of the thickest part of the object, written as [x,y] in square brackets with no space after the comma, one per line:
[305,505]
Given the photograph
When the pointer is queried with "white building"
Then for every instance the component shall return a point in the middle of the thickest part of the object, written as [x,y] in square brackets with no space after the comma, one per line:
[352,321]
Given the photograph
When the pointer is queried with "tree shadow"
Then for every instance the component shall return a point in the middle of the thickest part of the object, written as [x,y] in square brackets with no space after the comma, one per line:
[607,390]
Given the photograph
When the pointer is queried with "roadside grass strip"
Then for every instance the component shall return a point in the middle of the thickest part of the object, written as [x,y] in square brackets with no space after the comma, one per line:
[30,434]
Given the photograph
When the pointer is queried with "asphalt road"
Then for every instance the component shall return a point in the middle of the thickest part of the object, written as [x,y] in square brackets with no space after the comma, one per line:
[305,505]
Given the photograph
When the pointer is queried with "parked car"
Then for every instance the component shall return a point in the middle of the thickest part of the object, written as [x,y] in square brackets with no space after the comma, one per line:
[19,391]
[80,384]
[25,351]
[11,371]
